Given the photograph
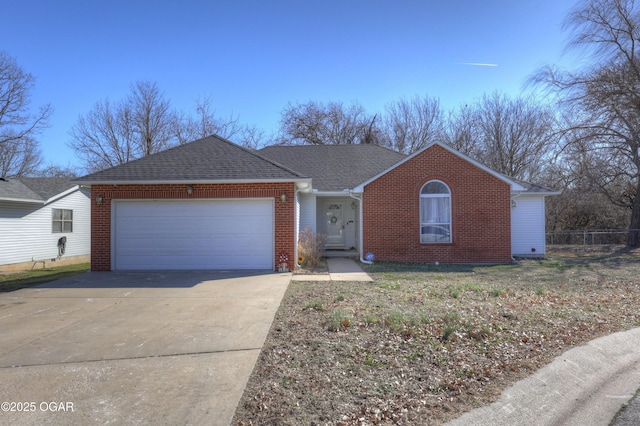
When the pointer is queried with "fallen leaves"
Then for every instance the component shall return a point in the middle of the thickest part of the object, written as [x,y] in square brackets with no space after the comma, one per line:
[421,347]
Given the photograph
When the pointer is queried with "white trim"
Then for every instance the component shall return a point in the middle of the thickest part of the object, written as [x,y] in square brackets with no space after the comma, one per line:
[543,194]
[343,193]
[23,200]
[191,182]
[514,185]
[361,228]
[63,194]
[450,223]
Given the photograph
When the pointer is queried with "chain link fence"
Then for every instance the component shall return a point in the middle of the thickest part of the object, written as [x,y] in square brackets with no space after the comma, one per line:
[589,237]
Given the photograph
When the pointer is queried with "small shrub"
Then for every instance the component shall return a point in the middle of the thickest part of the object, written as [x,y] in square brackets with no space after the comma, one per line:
[315,305]
[339,320]
[309,246]
[451,325]
[340,298]
[497,292]
[472,287]
[396,321]
[371,319]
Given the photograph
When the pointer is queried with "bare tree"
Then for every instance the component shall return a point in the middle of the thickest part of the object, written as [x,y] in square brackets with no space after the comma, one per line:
[19,157]
[460,131]
[151,117]
[105,136]
[330,124]
[19,153]
[516,136]
[411,124]
[112,134]
[56,171]
[251,137]
[205,123]
[604,99]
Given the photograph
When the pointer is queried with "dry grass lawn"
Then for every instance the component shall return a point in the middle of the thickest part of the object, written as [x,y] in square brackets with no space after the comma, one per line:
[424,343]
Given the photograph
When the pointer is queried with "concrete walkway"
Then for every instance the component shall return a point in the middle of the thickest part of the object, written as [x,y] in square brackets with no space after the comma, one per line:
[586,385]
[340,269]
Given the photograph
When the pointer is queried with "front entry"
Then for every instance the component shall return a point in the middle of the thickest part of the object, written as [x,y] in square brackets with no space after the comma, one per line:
[334,217]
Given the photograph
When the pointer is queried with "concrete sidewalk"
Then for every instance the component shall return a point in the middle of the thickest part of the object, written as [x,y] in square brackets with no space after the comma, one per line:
[586,385]
[340,269]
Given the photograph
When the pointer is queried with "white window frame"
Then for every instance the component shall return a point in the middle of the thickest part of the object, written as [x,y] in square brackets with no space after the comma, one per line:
[447,225]
[62,221]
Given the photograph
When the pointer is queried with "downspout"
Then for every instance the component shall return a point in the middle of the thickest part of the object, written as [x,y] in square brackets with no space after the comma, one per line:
[361,228]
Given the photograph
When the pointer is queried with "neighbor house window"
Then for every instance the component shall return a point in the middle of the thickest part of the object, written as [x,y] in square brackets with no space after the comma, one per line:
[62,220]
[435,213]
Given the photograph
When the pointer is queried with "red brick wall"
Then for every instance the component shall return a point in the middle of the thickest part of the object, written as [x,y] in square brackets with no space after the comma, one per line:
[480,209]
[101,214]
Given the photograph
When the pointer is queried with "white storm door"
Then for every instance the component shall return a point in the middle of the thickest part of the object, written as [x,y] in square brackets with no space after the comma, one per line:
[334,217]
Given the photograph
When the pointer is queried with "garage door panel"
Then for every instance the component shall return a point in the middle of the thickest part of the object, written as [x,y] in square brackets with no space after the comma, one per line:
[204,234]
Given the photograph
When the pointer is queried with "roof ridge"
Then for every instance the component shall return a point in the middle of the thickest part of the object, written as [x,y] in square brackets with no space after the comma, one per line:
[255,154]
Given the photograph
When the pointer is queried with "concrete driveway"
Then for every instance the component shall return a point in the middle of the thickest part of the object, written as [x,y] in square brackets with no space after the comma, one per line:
[133,348]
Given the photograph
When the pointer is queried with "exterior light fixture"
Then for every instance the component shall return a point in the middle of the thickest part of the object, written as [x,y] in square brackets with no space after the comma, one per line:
[283,197]
[189,189]
[99,199]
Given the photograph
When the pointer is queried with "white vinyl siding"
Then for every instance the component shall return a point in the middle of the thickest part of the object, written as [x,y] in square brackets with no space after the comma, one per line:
[26,229]
[198,234]
[308,212]
[528,226]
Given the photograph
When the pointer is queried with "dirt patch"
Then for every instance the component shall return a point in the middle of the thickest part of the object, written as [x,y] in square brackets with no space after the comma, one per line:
[423,344]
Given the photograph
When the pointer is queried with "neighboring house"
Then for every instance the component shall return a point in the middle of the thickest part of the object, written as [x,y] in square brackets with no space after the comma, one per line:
[43,222]
[211,204]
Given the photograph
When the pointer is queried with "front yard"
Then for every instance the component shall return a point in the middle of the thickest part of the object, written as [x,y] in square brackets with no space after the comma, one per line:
[422,344]
[18,280]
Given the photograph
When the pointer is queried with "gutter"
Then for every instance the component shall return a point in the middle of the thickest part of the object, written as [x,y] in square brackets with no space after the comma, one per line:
[361,228]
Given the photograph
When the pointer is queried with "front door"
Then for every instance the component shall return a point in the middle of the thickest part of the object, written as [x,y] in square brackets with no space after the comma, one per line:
[335,225]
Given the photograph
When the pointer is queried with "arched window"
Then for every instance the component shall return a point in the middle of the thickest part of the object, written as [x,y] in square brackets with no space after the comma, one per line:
[435,213]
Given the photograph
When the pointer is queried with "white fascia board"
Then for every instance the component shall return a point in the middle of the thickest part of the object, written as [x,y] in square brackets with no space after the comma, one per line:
[304,186]
[343,193]
[514,185]
[63,194]
[542,194]
[22,200]
[190,182]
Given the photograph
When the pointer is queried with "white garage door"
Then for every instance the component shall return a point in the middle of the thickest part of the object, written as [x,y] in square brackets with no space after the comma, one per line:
[202,234]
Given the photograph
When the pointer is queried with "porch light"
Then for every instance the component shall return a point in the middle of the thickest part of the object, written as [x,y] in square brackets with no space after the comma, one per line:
[283,197]
[99,199]
[189,189]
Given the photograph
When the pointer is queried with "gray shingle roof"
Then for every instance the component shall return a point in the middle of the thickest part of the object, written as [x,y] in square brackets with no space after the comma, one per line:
[33,189]
[205,160]
[335,167]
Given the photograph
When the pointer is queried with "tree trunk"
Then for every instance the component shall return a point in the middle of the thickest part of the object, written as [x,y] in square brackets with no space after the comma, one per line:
[633,240]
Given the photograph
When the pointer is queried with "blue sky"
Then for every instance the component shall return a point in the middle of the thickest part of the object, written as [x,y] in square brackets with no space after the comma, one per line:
[253,58]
